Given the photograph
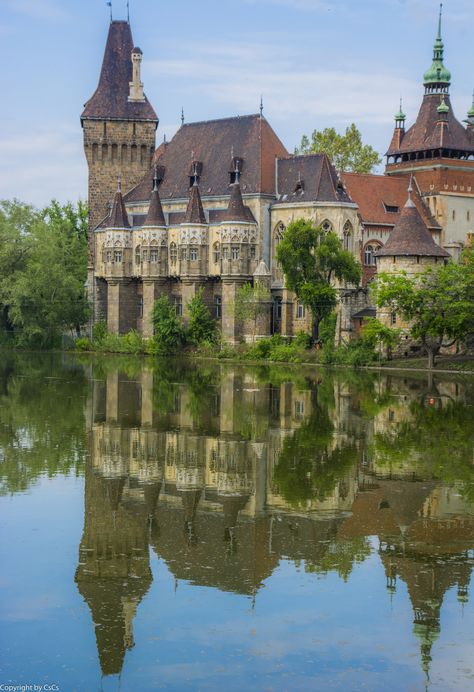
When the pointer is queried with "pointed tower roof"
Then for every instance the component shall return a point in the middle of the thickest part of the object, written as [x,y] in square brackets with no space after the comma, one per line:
[438,75]
[410,237]
[118,214]
[236,211]
[195,212]
[110,99]
[155,216]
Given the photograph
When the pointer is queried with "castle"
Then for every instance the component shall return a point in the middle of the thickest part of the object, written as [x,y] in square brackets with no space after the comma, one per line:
[206,211]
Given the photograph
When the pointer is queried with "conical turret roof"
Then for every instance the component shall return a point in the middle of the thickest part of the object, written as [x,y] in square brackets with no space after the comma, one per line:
[411,237]
[195,211]
[155,216]
[236,211]
[118,214]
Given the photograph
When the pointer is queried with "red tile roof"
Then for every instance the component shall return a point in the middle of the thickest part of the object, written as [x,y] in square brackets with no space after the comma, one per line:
[428,133]
[373,193]
[110,99]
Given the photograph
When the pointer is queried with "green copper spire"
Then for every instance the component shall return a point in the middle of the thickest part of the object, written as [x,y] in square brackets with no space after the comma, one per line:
[470,113]
[400,117]
[437,79]
[443,107]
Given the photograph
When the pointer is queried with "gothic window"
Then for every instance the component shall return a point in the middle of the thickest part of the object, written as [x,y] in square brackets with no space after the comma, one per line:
[217,252]
[118,255]
[182,253]
[173,253]
[300,311]
[326,226]
[369,259]
[279,230]
[347,236]
[145,255]
[253,252]
[235,253]
[277,308]
[225,253]
[153,254]
[137,255]
[140,306]
[108,256]
[218,307]
[193,254]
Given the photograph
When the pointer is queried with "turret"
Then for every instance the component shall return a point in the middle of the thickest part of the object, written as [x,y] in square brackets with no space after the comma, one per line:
[437,78]
[136,85]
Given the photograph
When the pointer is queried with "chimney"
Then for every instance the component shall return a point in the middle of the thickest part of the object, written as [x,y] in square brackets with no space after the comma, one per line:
[136,86]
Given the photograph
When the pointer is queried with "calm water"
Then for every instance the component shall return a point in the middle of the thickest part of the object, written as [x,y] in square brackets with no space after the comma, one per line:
[210,527]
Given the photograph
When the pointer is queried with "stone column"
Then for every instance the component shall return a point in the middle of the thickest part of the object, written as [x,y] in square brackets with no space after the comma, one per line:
[287,313]
[231,328]
[113,306]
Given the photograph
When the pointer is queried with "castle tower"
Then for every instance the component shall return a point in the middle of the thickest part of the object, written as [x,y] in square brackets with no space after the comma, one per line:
[119,127]
[439,152]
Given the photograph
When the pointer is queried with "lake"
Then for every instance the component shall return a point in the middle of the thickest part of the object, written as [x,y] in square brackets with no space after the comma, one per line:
[206,526]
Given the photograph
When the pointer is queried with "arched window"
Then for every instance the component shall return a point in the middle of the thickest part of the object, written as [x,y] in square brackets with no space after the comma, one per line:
[235,253]
[193,254]
[183,253]
[217,252]
[369,259]
[173,253]
[326,226]
[154,256]
[118,255]
[278,235]
[137,254]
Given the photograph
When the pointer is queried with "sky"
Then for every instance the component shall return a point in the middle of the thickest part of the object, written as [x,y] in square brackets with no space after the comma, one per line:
[316,63]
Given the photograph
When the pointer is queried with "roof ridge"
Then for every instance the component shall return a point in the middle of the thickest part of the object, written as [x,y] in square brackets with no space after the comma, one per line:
[217,120]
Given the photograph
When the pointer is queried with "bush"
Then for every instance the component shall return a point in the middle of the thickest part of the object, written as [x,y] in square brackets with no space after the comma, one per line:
[83,344]
[201,326]
[302,339]
[169,333]
[99,331]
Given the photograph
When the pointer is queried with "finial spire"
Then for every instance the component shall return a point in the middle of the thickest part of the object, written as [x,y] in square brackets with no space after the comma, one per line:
[439,20]
[119,184]
[128,11]
[109,4]
[410,202]
[261,106]
[155,179]
[182,115]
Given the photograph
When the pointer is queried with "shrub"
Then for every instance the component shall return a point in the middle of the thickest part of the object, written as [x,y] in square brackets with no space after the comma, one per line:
[169,333]
[201,326]
[83,344]
[302,340]
[99,331]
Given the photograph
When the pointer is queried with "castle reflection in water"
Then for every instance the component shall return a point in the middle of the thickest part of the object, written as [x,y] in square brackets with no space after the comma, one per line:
[224,477]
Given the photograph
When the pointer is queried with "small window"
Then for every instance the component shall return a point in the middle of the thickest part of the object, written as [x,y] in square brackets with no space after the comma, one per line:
[183,253]
[217,253]
[193,254]
[137,254]
[218,307]
[300,311]
[154,254]
[326,226]
[253,252]
[173,253]
[108,256]
[299,409]
[468,215]
[235,253]
[391,208]
[454,215]
[369,259]
[178,305]
[145,255]
[118,255]
[140,306]
[225,253]
[393,318]
[277,310]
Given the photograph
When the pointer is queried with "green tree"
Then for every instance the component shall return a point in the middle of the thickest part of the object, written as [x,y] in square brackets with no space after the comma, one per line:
[311,260]
[346,151]
[252,303]
[438,304]
[379,335]
[168,329]
[43,261]
[201,326]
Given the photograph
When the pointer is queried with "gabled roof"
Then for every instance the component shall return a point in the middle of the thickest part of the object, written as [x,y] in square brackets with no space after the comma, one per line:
[411,237]
[195,212]
[211,143]
[110,99]
[428,133]
[374,193]
[309,178]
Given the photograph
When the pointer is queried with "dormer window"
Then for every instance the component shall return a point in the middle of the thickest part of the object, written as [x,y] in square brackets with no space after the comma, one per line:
[299,187]
[391,208]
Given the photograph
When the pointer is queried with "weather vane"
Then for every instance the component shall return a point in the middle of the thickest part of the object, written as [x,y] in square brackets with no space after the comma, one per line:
[109,4]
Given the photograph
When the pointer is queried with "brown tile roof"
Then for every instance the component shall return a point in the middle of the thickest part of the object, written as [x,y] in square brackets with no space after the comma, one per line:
[118,215]
[373,193]
[236,211]
[155,216]
[211,142]
[194,212]
[427,133]
[110,99]
[309,178]
[411,237]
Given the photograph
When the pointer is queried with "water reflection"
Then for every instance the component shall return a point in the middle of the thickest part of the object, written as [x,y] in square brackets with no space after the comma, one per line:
[224,472]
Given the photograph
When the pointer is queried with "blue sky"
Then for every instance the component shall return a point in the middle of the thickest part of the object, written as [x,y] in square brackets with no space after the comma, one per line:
[317,63]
